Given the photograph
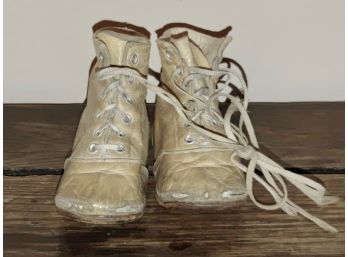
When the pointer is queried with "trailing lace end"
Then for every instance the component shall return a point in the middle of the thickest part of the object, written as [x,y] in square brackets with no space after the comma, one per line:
[328,200]
[325,226]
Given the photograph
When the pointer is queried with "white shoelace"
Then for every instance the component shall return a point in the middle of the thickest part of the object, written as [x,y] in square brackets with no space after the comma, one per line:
[111,94]
[238,142]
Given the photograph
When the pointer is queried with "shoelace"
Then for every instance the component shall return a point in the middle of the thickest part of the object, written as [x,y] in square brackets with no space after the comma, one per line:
[203,109]
[115,89]
[237,141]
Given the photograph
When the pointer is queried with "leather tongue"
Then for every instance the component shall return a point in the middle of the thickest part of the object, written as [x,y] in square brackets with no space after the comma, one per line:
[189,52]
[202,87]
[193,57]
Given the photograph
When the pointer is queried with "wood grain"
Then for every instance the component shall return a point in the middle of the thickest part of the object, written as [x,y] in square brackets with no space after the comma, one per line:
[301,136]
[39,136]
[32,227]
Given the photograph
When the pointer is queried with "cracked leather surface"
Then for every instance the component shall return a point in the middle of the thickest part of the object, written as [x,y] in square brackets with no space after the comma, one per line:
[199,172]
[109,182]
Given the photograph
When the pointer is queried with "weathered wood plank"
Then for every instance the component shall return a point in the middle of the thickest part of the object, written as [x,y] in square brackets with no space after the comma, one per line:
[32,227]
[308,136]
[39,136]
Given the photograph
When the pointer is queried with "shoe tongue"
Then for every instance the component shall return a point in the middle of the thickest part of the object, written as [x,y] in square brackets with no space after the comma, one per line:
[194,57]
[189,52]
[121,49]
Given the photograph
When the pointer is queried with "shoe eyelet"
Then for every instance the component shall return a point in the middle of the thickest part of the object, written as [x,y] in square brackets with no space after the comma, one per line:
[169,55]
[134,59]
[121,134]
[188,139]
[97,133]
[92,148]
[120,148]
[126,118]
[214,122]
[128,99]
[185,85]
[187,125]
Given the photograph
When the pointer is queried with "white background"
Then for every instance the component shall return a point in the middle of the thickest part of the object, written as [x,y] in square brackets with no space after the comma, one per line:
[291,50]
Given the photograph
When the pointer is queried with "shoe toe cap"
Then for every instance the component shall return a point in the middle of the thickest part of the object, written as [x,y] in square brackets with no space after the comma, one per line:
[202,184]
[102,192]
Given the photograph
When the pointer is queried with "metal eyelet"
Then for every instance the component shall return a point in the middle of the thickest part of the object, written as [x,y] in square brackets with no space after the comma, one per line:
[187,125]
[121,134]
[92,148]
[214,122]
[128,98]
[186,85]
[120,148]
[169,55]
[188,139]
[134,59]
[126,118]
[98,133]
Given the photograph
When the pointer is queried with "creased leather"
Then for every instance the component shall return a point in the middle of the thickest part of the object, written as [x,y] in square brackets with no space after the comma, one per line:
[110,183]
[199,172]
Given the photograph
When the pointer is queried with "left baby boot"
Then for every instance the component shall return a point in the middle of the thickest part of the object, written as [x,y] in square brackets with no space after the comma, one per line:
[105,177]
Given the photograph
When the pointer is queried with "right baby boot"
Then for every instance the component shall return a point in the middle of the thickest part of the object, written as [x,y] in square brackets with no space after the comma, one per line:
[202,155]
[105,177]
[191,170]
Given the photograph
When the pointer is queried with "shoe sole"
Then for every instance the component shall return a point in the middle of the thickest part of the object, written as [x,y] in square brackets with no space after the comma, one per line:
[201,205]
[100,219]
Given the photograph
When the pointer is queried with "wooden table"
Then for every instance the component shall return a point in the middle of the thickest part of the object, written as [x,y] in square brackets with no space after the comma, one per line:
[307,138]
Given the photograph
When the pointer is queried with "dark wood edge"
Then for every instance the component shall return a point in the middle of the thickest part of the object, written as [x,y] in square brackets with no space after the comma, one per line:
[50,171]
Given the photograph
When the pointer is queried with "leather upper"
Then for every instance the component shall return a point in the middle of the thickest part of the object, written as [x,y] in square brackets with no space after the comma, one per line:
[189,166]
[117,49]
[106,181]
[179,51]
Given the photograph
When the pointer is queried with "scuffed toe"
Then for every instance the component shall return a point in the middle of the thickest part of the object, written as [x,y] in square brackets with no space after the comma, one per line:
[102,194]
[200,183]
